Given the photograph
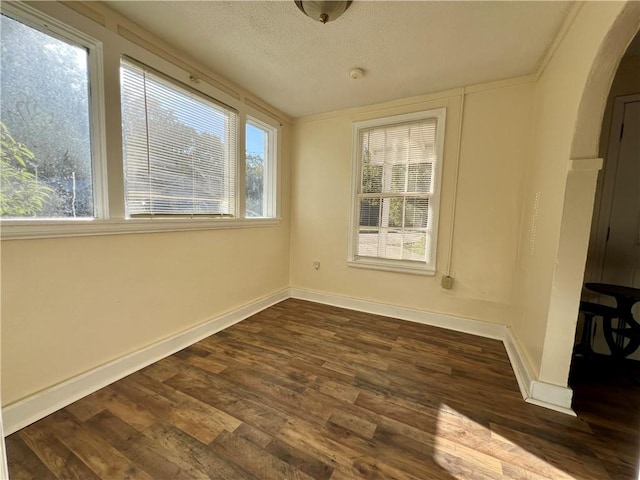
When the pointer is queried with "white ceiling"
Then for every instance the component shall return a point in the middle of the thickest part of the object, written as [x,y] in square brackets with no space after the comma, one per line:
[301,67]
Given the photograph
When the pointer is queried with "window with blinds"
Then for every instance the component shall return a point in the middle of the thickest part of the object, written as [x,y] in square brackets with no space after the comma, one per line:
[397,190]
[179,147]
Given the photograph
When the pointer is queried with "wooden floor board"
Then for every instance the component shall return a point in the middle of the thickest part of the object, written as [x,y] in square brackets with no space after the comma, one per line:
[61,461]
[314,392]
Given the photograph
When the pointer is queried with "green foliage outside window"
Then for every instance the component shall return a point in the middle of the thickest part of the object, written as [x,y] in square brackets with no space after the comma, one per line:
[255,184]
[21,193]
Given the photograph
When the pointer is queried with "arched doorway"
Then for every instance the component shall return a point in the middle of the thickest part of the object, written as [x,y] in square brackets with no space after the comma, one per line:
[613,256]
[605,388]
[580,191]
[590,127]
[571,95]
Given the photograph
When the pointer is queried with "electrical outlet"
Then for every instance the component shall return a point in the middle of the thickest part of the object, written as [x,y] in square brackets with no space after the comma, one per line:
[316,264]
[447,282]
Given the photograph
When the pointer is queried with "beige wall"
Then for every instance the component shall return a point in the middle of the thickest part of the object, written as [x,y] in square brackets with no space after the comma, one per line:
[72,304]
[494,148]
[69,305]
[550,270]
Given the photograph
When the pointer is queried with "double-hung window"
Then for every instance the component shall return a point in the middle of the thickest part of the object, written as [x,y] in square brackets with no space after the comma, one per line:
[397,171]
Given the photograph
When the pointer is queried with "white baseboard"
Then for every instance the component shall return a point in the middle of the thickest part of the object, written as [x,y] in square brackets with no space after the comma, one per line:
[551,396]
[459,324]
[533,391]
[519,363]
[24,412]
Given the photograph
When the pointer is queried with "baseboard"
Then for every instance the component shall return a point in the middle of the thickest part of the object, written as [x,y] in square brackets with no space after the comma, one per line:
[533,391]
[551,396]
[24,412]
[519,363]
[450,322]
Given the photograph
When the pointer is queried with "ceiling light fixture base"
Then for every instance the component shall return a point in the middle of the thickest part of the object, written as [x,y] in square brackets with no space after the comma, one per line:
[323,11]
[356,73]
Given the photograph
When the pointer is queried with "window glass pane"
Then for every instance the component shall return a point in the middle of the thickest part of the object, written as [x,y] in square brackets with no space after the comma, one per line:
[420,176]
[413,245]
[396,212]
[390,244]
[179,148]
[371,178]
[396,144]
[369,212]
[257,149]
[368,242]
[398,178]
[422,137]
[416,213]
[44,113]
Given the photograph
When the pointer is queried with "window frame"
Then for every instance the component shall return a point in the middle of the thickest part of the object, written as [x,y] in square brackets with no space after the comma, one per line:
[108,172]
[269,197]
[63,32]
[428,267]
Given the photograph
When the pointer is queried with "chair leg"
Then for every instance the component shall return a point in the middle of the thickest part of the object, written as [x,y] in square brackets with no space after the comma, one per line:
[584,347]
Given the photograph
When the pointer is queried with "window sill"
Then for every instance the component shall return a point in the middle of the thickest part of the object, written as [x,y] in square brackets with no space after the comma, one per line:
[34,229]
[392,266]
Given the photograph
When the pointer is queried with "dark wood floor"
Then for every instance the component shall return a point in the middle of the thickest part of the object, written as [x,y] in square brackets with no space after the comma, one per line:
[304,391]
[607,398]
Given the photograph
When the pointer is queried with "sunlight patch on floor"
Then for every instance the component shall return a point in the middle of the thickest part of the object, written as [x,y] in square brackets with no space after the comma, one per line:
[463,445]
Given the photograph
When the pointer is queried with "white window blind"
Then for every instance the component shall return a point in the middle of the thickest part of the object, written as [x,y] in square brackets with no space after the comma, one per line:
[179,148]
[397,191]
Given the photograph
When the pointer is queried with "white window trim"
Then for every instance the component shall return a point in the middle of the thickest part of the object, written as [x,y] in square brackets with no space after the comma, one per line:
[59,21]
[33,229]
[271,166]
[402,266]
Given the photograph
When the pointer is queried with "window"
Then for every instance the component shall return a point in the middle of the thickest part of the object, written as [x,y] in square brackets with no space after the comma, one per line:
[183,166]
[45,121]
[178,147]
[259,152]
[397,166]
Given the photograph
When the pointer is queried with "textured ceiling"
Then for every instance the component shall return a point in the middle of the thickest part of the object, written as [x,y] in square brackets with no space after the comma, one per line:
[302,67]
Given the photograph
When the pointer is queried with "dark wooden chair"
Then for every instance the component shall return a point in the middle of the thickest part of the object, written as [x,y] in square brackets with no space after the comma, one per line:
[590,311]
